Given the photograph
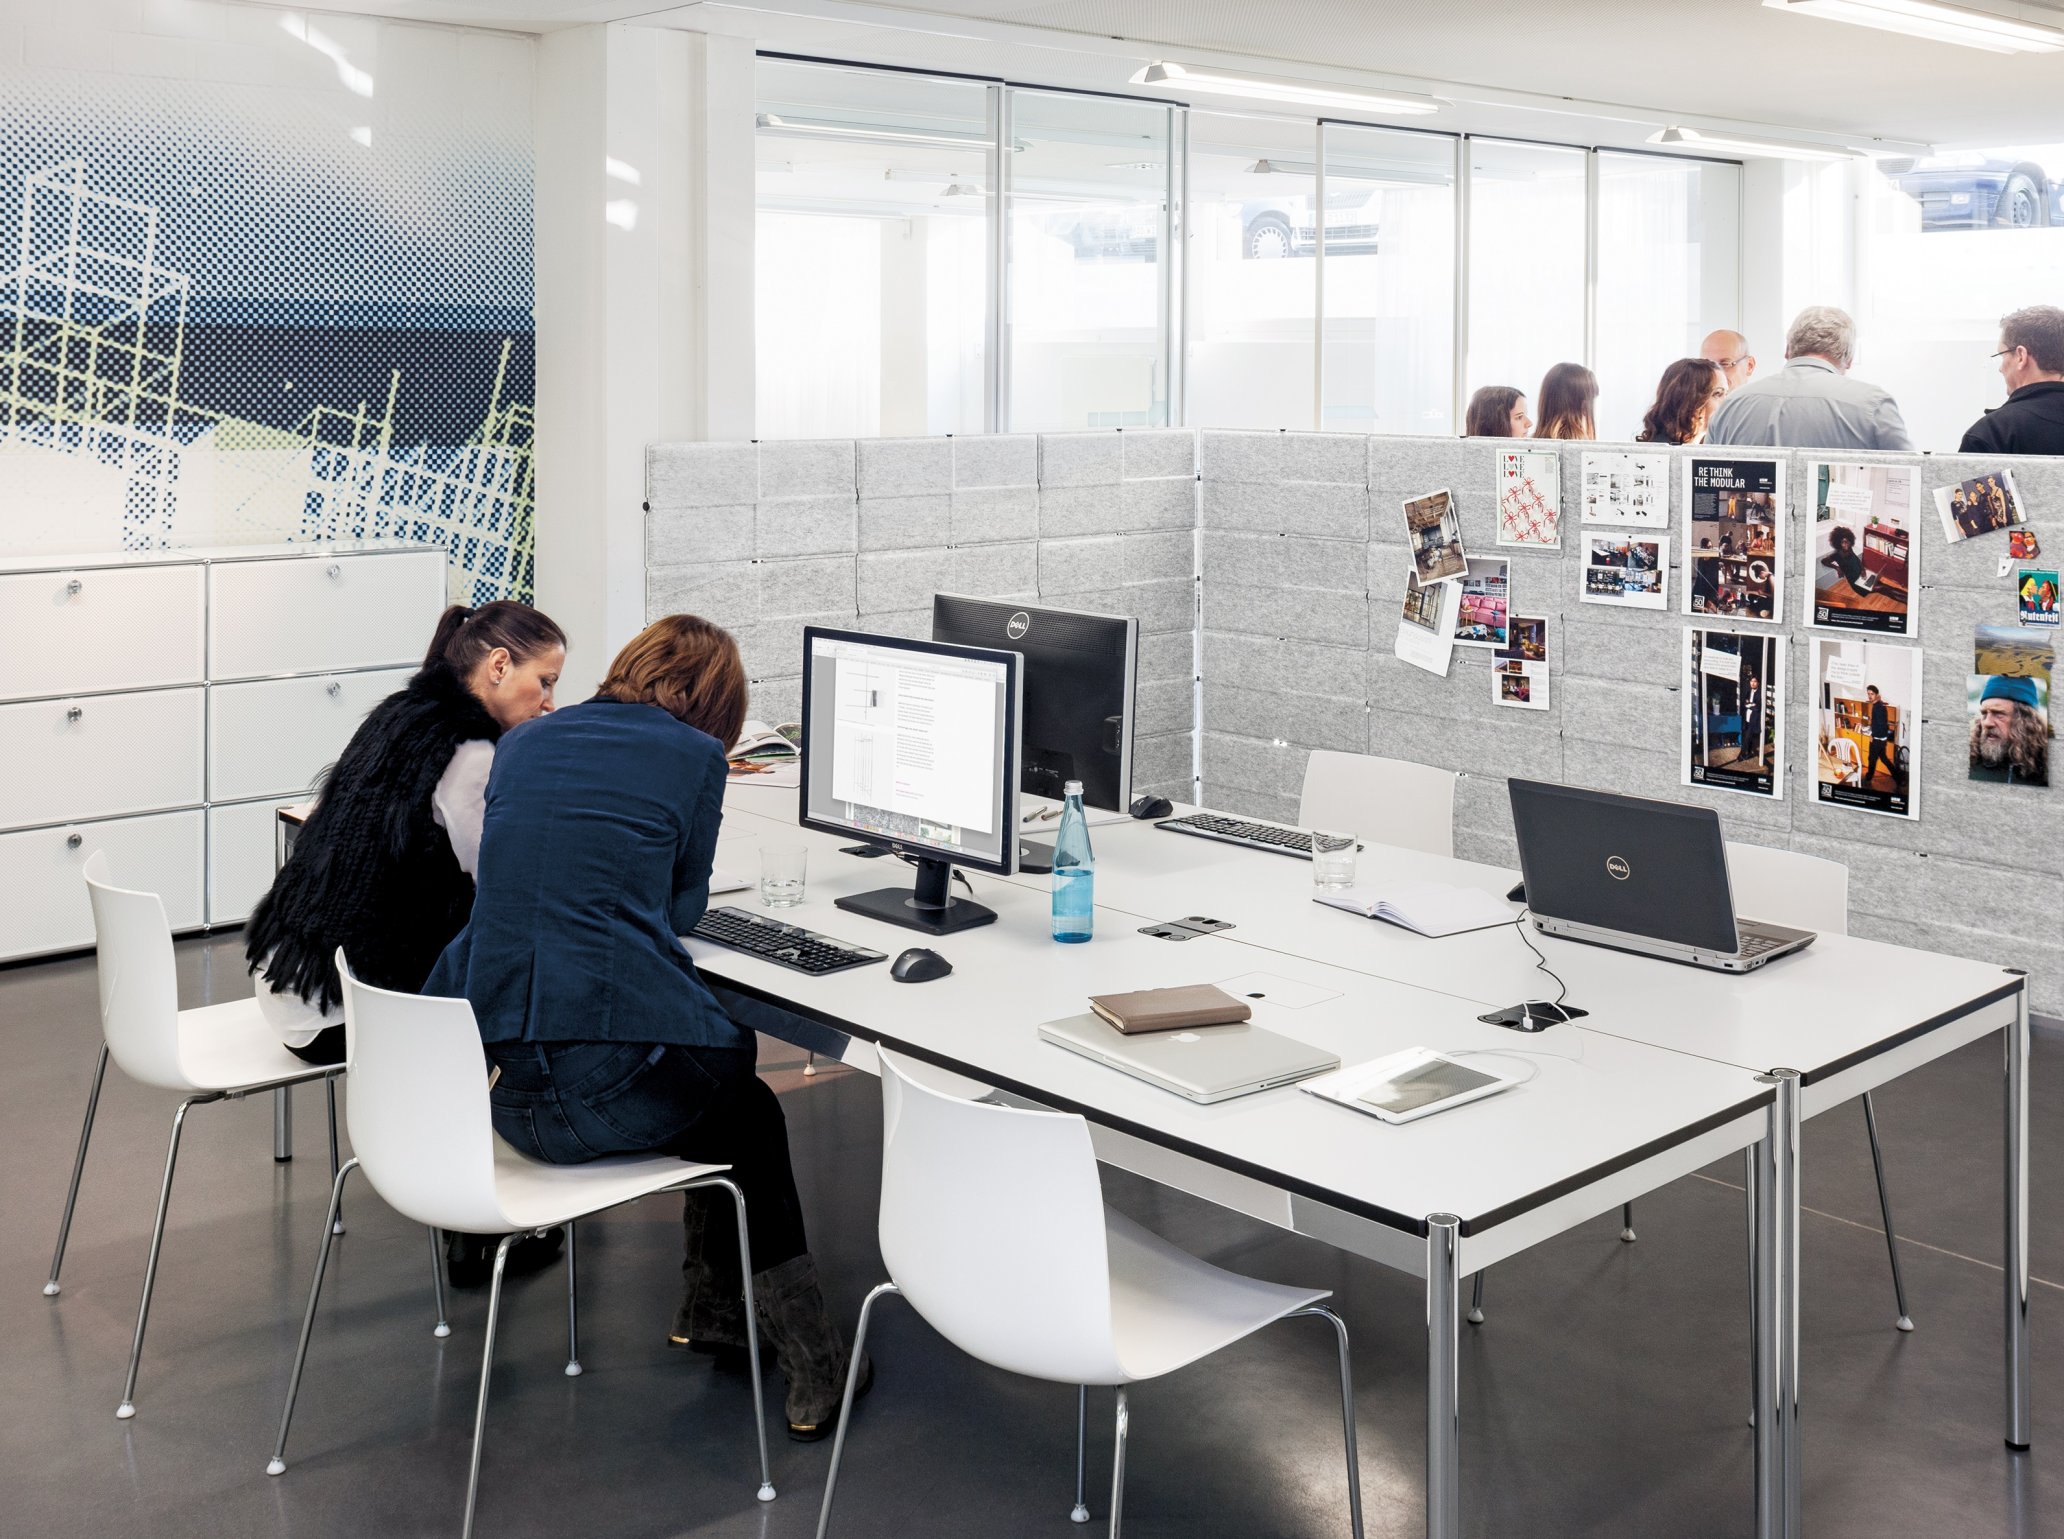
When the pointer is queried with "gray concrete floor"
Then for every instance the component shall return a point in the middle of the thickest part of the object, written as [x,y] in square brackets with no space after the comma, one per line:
[1605,1395]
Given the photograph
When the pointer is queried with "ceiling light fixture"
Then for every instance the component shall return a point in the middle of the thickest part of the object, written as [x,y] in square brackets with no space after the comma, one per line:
[1401,176]
[1677,138]
[864,133]
[1935,21]
[1281,88]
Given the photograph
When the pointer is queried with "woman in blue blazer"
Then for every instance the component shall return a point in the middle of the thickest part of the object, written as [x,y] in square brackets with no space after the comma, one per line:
[595,854]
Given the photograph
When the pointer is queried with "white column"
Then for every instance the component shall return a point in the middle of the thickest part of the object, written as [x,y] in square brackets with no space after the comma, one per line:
[644,299]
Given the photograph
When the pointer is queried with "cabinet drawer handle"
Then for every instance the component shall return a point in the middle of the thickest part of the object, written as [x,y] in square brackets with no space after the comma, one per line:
[74,588]
[75,714]
[333,689]
[335,570]
[73,841]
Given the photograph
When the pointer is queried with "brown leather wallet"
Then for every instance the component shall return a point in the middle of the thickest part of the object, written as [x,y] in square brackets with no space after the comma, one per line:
[1192,1004]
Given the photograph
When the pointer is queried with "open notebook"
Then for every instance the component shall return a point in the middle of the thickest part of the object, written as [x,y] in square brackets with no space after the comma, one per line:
[1429,908]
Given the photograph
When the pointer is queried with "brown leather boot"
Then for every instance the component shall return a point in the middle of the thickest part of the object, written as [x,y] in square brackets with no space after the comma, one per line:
[808,1347]
[711,1318]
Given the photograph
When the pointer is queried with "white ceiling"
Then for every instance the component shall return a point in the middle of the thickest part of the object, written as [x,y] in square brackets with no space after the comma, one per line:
[1560,69]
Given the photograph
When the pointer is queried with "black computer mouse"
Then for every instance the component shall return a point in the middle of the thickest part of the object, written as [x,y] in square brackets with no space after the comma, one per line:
[918,965]
[1151,807]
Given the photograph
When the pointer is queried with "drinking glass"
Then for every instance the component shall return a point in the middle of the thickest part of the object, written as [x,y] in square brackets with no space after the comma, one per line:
[1333,860]
[781,875]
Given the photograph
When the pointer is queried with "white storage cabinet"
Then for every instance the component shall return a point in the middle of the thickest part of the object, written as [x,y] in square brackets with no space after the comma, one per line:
[159,705]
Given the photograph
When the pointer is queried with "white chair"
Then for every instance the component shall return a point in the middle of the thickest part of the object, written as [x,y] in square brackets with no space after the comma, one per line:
[1385,801]
[993,1226]
[420,1128]
[215,1053]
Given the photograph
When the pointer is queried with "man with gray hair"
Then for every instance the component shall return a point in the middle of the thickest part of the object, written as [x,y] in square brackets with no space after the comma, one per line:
[2031,361]
[1812,403]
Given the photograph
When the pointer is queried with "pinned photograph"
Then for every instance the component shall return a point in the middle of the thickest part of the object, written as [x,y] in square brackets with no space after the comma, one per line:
[2010,728]
[1982,505]
[1862,554]
[1434,531]
[2035,596]
[2010,649]
[1484,616]
[1521,686]
[1734,538]
[2022,545]
[1426,624]
[1733,712]
[1865,739]
[1528,642]
[1630,570]
[1530,498]
[1627,489]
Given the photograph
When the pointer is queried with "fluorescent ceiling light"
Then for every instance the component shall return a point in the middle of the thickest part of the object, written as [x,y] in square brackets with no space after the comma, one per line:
[1935,21]
[1412,176]
[865,133]
[1677,138]
[1280,88]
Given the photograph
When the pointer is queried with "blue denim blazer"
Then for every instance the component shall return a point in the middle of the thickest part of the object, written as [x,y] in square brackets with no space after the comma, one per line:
[595,856]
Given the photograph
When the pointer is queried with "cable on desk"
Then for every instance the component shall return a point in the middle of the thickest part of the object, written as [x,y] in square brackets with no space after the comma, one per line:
[1540,961]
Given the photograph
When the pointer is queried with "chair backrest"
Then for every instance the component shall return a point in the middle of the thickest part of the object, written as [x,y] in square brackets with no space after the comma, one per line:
[1785,887]
[992,1224]
[139,984]
[1388,801]
[417,1107]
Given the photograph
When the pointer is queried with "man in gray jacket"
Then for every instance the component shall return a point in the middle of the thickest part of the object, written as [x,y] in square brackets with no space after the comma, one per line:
[1812,403]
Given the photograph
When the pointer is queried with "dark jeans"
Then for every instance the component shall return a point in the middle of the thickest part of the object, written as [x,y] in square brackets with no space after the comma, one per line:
[1880,753]
[570,1102]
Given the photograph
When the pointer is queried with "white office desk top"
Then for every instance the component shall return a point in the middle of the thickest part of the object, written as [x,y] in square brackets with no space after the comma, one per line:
[1597,1105]
[1831,1011]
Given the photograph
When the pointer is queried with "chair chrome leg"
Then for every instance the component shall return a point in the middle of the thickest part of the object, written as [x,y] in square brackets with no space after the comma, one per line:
[64,1225]
[282,1124]
[1627,1235]
[752,1332]
[573,1367]
[1118,1464]
[1476,1298]
[330,1091]
[1080,1512]
[1870,1122]
[437,1282]
[494,1311]
[278,1465]
[845,1420]
[127,1408]
[1347,1414]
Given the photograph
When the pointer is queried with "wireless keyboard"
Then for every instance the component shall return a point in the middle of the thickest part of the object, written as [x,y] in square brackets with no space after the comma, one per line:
[785,945]
[1256,836]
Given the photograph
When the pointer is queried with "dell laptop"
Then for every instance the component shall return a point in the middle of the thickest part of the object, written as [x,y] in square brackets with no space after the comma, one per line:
[1636,875]
[1203,1064]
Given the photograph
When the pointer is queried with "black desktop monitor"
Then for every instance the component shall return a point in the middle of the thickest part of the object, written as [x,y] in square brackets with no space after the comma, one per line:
[1079,678]
[913,745]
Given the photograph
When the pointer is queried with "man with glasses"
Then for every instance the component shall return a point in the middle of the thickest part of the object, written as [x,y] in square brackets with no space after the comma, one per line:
[2031,361]
[1730,350]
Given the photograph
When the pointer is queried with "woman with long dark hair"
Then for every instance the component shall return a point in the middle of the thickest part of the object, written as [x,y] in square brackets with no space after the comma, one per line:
[1498,411]
[601,832]
[1689,391]
[1569,400]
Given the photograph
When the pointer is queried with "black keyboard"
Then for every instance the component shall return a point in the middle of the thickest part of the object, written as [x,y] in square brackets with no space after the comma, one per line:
[785,945]
[1256,836]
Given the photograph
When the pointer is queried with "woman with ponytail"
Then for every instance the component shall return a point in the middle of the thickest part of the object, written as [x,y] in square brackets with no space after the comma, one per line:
[384,865]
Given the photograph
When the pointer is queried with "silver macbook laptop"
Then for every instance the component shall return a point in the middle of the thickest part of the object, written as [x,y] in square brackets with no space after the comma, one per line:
[1637,875]
[1203,1064]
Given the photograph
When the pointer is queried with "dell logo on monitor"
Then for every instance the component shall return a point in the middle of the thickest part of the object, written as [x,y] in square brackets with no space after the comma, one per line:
[1017,625]
[1617,868]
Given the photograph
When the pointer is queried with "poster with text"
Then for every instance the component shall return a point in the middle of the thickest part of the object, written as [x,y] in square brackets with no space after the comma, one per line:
[1863,554]
[1627,489]
[1483,618]
[1734,537]
[1732,712]
[1520,686]
[2035,596]
[1530,497]
[1630,570]
[1864,738]
[1426,624]
[1434,531]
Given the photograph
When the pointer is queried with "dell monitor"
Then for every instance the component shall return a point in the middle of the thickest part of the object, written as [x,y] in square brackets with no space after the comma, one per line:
[913,745]
[1080,672]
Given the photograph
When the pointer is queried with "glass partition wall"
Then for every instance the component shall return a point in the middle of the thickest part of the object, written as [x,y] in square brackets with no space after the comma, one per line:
[955,256]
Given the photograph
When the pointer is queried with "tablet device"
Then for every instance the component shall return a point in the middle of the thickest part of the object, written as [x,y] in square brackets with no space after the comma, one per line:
[1413,1084]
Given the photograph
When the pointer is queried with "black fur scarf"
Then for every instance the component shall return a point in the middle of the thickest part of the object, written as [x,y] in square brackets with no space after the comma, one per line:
[372,871]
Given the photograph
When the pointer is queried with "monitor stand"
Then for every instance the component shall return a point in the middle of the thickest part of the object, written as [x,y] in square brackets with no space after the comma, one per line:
[930,906]
[1035,856]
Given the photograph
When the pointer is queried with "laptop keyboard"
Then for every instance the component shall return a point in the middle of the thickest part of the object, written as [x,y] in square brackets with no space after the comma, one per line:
[1754,943]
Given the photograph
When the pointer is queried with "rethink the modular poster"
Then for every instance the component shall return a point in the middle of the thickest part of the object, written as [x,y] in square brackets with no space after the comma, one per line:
[1734,539]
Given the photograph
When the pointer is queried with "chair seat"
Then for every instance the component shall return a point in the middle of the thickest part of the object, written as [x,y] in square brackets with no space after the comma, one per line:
[226,1047]
[534,1195]
[1169,1309]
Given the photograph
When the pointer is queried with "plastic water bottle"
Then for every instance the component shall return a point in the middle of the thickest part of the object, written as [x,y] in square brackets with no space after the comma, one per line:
[1074,872]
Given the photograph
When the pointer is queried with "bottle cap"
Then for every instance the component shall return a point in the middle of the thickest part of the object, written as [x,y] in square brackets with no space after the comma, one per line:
[1072,788]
